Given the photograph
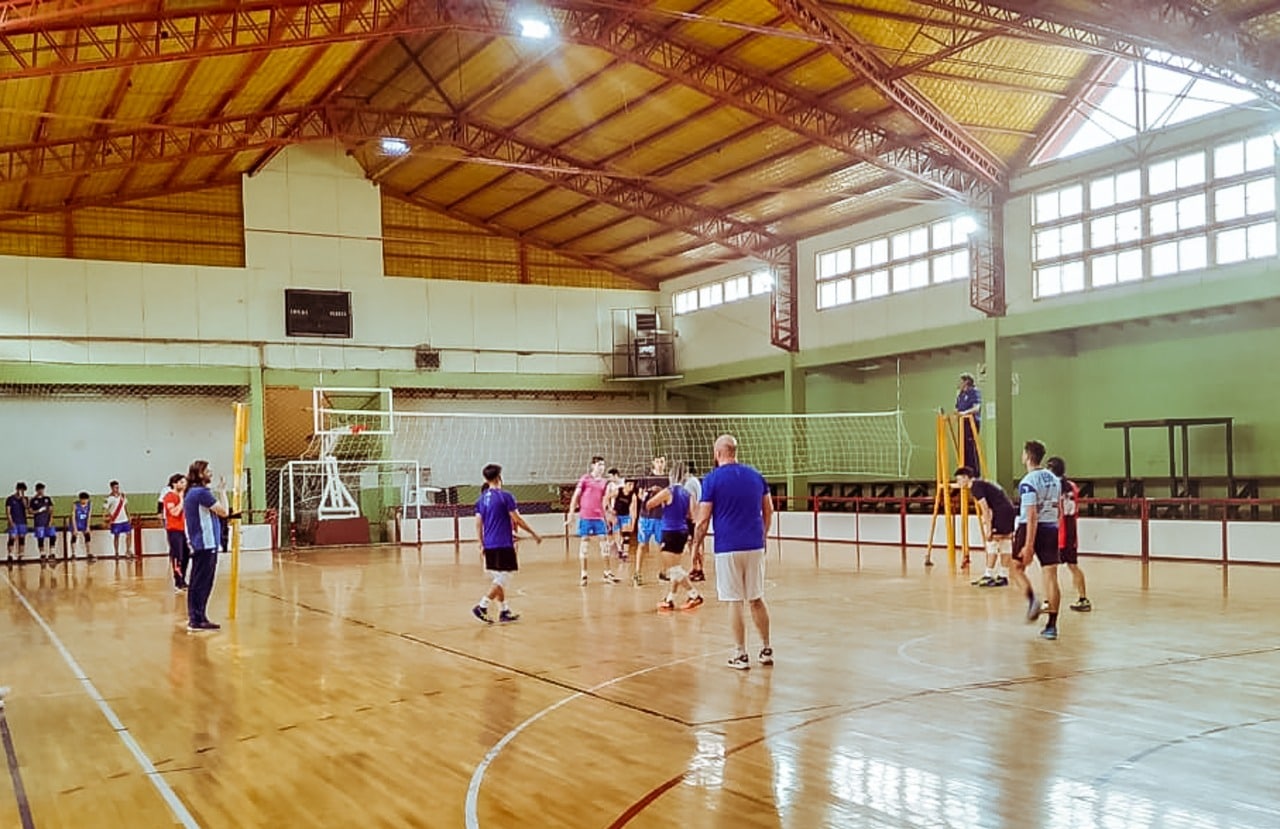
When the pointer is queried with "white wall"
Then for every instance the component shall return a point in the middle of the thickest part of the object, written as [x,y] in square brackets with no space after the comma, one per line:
[311,221]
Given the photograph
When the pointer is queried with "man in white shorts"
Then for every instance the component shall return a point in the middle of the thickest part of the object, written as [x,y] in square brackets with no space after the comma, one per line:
[737,497]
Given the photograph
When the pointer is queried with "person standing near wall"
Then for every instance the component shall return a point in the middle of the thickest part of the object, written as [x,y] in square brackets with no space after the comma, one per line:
[737,497]
[201,511]
[969,402]
[42,519]
[175,527]
[81,515]
[15,509]
[117,515]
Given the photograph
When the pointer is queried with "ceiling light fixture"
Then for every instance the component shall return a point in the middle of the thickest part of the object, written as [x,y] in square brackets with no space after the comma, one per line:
[394,146]
[965,225]
[534,28]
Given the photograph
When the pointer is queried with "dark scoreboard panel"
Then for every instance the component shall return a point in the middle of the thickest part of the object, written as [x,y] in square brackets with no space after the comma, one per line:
[309,313]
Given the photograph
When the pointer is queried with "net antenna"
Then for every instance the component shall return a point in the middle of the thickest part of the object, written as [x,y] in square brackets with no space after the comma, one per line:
[337,414]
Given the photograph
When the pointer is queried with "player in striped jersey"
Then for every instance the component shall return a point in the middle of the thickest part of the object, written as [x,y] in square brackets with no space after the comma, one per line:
[1068,535]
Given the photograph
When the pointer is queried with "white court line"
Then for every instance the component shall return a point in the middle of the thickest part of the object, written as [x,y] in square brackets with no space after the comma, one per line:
[176,805]
[473,790]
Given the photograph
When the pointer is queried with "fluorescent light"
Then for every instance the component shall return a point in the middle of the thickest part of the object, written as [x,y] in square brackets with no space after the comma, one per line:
[966,225]
[394,146]
[534,29]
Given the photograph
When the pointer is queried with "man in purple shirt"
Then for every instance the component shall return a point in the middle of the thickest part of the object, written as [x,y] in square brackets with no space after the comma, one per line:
[496,520]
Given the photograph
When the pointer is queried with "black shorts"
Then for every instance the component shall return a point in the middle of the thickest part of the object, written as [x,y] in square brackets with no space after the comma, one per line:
[689,525]
[1045,544]
[1068,551]
[674,542]
[1002,523]
[500,559]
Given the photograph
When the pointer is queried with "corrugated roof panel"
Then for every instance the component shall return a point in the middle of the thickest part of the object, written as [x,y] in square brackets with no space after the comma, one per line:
[498,60]
[81,98]
[23,101]
[590,220]
[197,170]
[640,244]
[10,193]
[1265,28]
[96,185]
[212,79]
[50,192]
[513,189]
[778,173]
[589,106]
[771,54]
[693,137]
[641,121]
[460,182]
[713,33]
[531,91]
[335,61]
[820,75]
[152,175]
[977,104]
[741,151]
[265,82]
[152,85]
[863,100]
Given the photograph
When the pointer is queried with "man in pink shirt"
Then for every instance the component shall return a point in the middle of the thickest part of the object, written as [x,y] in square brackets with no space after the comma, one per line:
[589,497]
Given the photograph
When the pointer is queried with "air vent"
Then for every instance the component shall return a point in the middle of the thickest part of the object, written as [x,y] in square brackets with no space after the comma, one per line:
[426,358]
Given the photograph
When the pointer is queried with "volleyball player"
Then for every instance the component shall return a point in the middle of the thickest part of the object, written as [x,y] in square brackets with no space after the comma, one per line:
[649,529]
[81,514]
[589,497]
[117,515]
[1037,535]
[620,507]
[15,509]
[42,522]
[694,486]
[1068,534]
[497,517]
[996,514]
[175,527]
[677,515]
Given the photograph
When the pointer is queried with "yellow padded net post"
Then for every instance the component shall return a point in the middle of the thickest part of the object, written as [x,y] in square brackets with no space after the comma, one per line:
[949,451]
[237,493]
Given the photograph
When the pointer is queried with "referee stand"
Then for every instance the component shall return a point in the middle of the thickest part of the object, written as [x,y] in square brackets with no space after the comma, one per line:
[951,432]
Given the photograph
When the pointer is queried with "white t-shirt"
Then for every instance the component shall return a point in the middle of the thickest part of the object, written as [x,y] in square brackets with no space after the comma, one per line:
[694,486]
[114,501]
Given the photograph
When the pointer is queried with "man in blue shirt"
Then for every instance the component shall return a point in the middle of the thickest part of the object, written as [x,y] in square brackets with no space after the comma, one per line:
[737,498]
[496,520]
[201,513]
[15,509]
[969,402]
[1037,534]
[42,515]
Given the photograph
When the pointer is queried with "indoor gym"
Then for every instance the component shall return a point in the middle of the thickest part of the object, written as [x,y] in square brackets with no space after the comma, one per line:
[352,252]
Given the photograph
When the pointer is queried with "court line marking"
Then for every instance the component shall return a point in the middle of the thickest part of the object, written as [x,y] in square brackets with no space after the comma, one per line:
[471,808]
[179,809]
[15,774]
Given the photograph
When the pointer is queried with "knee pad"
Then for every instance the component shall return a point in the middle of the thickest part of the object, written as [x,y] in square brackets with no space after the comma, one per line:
[993,547]
[501,579]
[676,573]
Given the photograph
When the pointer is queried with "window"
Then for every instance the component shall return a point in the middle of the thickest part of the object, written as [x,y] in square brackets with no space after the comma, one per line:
[739,287]
[1182,213]
[742,286]
[686,301]
[761,282]
[911,258]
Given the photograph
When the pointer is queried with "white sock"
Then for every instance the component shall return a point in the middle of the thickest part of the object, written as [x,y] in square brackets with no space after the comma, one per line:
[693,592]
[1003,573]
[485,602]
[506,608]
[989,573]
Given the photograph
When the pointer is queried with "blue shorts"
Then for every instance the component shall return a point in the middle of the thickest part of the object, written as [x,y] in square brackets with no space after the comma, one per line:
[121,528]
[624,521]
[45,532]
[18,530]
[592,526]
[650,530]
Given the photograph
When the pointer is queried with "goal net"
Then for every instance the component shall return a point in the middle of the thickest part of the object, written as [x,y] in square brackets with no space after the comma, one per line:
[452,448]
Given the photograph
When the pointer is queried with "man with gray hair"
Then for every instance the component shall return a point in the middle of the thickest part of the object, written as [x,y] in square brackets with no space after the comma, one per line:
[737,498]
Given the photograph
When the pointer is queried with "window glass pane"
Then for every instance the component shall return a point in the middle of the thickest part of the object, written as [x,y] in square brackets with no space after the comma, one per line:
[862,256]
[826,265]
[761,282]
[901,245]
[1102,232]
[1193,254]
[942,268]
[1128,186]
[1228,160]
[685,301]
[1048,244]
[709,295]
[1104,270]
[1260,196]
[880,283]
[920,241]
[1102,192]
[826,295]
[1073,238]
[1228,203]
[1260,153]
[1191,211]
[880,251]
[1046,207]
[862,287]
[1129,265]
[960,264]
[1129,226]
[942,235]
[1230,246]
[1164,259]
[1191,170]
[844,291]
[1071,200]
[1162,177]
[1049,281]
[901,278]
[1164,218]
[920,273]
[1262,240]
[1073,277]
[844,260]
[730,290]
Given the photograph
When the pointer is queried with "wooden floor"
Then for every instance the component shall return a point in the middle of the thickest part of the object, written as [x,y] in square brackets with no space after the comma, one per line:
[356,689]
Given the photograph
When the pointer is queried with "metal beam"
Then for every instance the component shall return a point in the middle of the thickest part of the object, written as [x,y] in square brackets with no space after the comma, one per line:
[859,57]
[784,318]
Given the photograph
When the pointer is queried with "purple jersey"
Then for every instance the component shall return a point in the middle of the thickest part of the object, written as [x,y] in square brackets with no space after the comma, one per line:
[495,508]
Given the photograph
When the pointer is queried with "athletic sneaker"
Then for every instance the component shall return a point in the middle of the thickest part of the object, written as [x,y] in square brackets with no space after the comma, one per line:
[666,605]
[1049,633]
[662,576]
[998,581]
[928,562]
[766,656]
[199,627]
[985,581]
[697,575]
[1082,604]
[584,579]
[692,602]
[740,662]
[1033,609]
[508,616]
[637,580]
[610,578]
[482,613]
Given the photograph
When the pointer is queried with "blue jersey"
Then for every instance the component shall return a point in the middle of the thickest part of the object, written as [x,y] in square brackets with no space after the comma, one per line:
[736,493]
[675,513]
[80,516]
[1041,489]
[494,508]
[203,529]
[16,508]
[42,510]
[966,400]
